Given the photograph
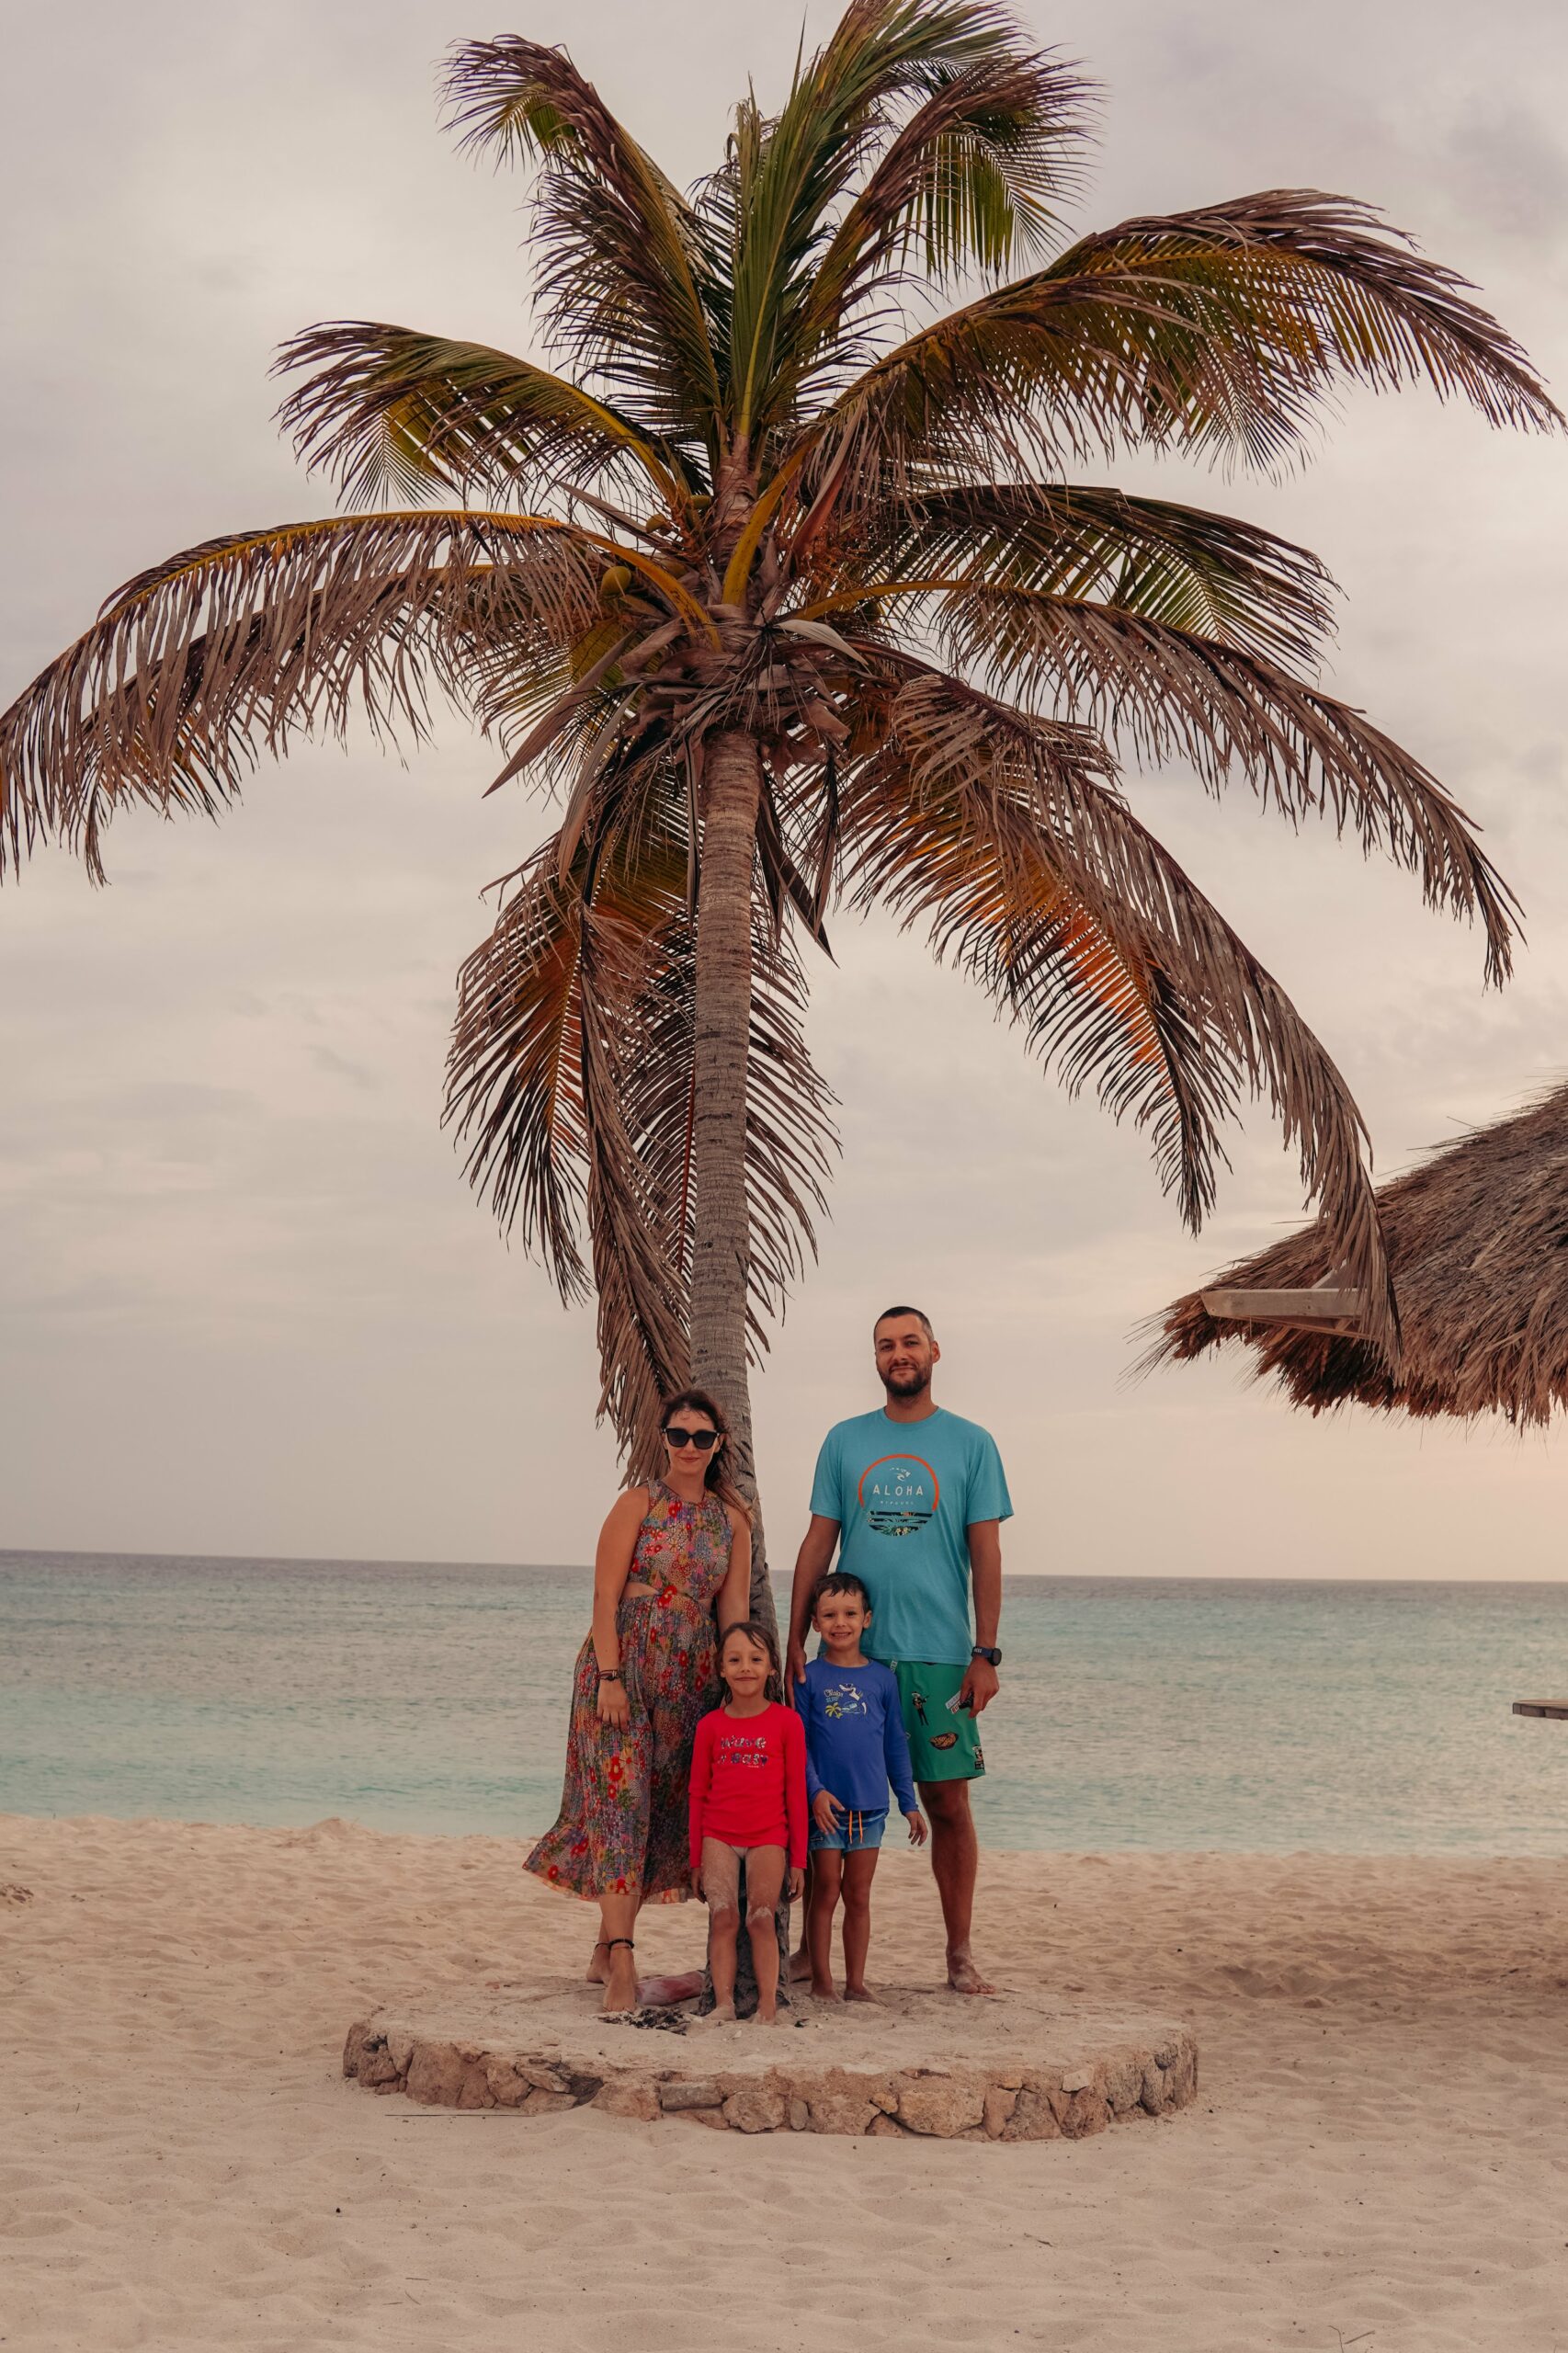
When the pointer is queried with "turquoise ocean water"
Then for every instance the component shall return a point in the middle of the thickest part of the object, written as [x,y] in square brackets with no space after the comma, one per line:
[1151,1713]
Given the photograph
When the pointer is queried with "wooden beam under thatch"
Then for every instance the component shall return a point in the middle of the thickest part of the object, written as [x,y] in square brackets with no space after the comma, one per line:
[1328,1303]
[1477,1240]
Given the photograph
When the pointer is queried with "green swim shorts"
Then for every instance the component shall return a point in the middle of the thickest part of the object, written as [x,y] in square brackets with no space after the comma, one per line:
[944,1742]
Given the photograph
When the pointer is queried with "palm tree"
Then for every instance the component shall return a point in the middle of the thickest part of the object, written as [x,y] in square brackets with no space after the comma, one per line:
[798,599]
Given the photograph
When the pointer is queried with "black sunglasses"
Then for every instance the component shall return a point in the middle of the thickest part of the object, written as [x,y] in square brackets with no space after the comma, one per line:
[701,1439]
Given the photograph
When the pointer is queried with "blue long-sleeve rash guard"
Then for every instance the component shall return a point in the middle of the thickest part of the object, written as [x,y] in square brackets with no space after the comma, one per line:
[856,1742]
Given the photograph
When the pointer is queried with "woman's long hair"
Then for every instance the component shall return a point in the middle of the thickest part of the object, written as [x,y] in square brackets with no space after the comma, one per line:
[716,1477]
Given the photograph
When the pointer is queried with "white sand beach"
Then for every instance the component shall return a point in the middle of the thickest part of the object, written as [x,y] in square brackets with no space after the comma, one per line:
[1378,2154]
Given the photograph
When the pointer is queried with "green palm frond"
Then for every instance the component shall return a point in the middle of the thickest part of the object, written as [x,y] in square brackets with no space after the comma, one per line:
[975,180]
[620,256]
[385,410]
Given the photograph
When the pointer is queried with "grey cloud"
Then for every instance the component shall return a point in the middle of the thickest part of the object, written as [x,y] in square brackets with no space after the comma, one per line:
[1511,167]
[200,1202]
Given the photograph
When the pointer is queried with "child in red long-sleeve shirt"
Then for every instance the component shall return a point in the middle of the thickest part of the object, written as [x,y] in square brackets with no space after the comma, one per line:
[748,1804]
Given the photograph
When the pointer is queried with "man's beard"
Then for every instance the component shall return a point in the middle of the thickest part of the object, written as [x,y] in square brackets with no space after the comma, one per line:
[905,1384]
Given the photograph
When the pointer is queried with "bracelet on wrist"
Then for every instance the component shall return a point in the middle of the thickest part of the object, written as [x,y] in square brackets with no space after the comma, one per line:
[609,1674]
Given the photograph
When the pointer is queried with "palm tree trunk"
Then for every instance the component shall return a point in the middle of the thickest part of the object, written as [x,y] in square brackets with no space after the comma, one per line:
[722,1243]
[721,1224]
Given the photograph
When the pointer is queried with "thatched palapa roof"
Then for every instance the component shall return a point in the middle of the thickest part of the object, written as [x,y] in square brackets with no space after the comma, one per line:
[1477,1240]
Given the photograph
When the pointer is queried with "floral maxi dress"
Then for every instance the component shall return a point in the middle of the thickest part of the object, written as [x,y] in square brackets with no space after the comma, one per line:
[622,1823]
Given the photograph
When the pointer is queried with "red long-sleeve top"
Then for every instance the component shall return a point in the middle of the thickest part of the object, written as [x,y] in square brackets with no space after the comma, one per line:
[748,1782]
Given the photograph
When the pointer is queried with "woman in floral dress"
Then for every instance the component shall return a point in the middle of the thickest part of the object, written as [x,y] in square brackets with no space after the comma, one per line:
[673,1569]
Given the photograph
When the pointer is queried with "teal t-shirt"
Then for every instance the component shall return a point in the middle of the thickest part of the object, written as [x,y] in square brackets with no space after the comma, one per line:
[904,1495]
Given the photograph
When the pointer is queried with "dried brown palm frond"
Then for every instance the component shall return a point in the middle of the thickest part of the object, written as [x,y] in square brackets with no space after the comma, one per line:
[1008,837]
[235,647]
[1211,574]
[1216,331]
[532,1018]
[727,537]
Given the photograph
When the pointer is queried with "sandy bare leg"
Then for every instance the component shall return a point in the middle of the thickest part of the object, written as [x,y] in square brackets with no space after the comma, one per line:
[858,1871]
[621,1981]
[822,1901]
[721,1891]
[800,1959]
[955,1860]
[765,1879]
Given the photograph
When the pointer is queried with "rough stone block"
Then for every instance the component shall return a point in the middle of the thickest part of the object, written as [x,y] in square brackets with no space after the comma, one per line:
[697,2091]
[842,2112]
[638,2100]
[1033,2118]
[1084,2112]
[1182,2078]
[939,2106]
[999,2104]
[377,2065]
[758,2109]
[885,2128]
[1123,2085]
[542,2075]
[547,2103]
[508,2086]
[436,2075]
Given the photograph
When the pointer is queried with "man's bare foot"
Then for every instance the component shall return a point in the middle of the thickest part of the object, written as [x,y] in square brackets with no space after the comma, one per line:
[799,1966]
[768,2016]
[826,1991]
[663,1992]
[722,2014]
[597,1971]
[964,1977]
[860,1993]
[620,1983]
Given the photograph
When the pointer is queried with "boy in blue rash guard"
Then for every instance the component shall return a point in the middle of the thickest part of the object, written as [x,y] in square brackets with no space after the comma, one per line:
[855,1745]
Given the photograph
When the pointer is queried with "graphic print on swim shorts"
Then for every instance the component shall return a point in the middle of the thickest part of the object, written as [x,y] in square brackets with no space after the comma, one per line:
[897,1493]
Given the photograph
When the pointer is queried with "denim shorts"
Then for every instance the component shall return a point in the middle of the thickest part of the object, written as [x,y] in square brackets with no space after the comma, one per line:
[855,1832]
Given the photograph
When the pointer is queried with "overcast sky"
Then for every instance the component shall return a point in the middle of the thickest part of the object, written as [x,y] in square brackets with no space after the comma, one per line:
[246,1303]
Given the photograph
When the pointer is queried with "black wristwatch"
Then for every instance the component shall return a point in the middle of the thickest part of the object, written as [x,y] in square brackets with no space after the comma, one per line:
[992,1657]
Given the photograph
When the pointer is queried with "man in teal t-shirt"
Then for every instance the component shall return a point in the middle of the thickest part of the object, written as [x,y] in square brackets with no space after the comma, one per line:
[913,1497]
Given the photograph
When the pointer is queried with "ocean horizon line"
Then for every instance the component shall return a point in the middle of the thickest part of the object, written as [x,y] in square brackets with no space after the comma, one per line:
[36,1556]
